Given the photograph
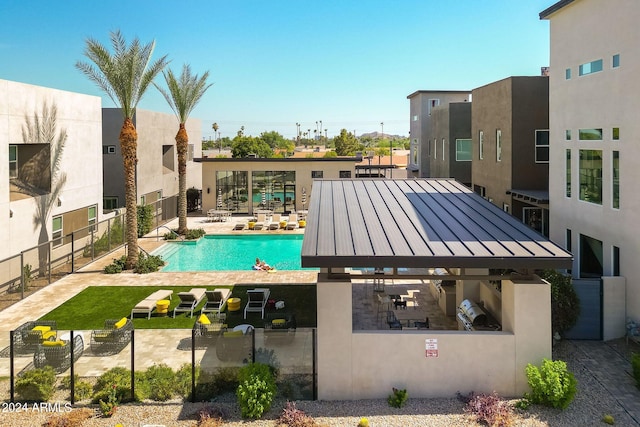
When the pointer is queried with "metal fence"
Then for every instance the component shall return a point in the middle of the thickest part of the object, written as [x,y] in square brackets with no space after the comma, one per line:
[204,366]
[45,263]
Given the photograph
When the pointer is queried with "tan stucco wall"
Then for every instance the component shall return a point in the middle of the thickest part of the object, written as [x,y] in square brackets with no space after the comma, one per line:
[613,297]
[366,365]
[604,100]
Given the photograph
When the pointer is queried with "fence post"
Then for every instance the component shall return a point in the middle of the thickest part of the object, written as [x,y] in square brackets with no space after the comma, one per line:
[314,343]
[193,365]
[11,369]
[133,368]
[50,244]
[73,253]
[21,275]
[73,362]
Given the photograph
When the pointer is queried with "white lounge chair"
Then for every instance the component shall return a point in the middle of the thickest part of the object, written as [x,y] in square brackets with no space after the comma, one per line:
[275,222]
[257,301]
[293,221]
[262,218]
[216,300]
[148,304]
[240,226]
[189,301]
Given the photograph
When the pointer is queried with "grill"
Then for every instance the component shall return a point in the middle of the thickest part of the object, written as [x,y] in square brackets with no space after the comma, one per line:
[474,318]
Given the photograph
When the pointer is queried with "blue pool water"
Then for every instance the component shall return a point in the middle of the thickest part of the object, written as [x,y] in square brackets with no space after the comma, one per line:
[227,252]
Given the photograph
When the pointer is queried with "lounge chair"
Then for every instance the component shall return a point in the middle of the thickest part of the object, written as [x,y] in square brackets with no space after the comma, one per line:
[189,301]
[57,354]
[216,300]
[275,222]
[115,336]
[260,223]
[293,221]
[257,301]
[148,304]
[240,226]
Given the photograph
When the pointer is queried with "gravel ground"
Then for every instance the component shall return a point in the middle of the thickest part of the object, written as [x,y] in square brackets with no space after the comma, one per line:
[591,403]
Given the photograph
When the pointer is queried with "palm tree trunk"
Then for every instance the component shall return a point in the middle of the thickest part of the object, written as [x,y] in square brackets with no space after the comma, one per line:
[128,145]
[182,140]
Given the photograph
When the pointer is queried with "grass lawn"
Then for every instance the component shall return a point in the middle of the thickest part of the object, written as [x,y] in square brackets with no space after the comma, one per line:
[89,309]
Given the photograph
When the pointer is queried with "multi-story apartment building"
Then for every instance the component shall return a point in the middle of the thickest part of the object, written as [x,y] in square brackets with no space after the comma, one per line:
[449,142]
[421,104]
[593,152]
[52,184]
[510,128]
[157,168]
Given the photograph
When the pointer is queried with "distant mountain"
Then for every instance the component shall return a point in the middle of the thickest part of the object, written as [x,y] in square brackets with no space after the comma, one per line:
[377,135]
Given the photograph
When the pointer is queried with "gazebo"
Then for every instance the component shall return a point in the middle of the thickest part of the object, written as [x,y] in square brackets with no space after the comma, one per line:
[410,226]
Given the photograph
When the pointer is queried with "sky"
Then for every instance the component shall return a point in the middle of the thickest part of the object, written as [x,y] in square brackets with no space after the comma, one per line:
[349,64]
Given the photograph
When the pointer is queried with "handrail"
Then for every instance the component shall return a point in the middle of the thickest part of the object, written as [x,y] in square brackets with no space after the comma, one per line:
[172,232]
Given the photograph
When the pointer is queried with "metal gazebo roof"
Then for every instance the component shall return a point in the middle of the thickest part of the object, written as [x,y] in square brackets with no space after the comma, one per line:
[418,223]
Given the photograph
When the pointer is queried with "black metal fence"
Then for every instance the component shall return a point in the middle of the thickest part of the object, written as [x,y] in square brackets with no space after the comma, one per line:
[206,365]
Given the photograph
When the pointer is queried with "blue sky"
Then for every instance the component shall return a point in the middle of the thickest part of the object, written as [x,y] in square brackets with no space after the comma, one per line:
[273,63]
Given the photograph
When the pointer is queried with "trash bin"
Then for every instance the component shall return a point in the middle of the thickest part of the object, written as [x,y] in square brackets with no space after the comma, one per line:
[162,307]
[233,304]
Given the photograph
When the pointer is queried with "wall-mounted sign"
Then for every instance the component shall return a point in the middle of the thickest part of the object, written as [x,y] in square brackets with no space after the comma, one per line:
[431,347]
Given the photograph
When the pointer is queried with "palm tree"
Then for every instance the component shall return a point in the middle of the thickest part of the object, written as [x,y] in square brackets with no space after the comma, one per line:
[124,76]
[183,95]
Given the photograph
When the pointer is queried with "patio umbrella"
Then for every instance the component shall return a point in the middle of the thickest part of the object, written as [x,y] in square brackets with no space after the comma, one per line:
[264,198]
[304,197]
[219,204]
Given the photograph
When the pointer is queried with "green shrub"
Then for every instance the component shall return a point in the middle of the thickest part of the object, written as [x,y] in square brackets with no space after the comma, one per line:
[37,385]
[608,419]
[195,234]
[183,380]
[161,381]
[256,390]
[398,398]
[635,367]
[82,389]
[117,266]
[209,384]
[145,219]
[110,404]
[565,304]
[148,264]
[121,377]
[551,384]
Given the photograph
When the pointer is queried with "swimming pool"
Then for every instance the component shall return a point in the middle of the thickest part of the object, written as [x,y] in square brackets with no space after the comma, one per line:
[232,252]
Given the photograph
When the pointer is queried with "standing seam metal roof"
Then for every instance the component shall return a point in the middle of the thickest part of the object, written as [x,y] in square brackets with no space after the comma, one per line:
[417,223]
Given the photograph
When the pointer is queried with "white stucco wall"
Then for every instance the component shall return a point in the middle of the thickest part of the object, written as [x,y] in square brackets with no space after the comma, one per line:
[582,32]
[80,115]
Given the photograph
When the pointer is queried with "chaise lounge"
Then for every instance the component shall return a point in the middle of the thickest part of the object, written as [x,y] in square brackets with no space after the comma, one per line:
[30,334]
[148,304]
[57,354]
[216,300]
[257,301]
[189,301]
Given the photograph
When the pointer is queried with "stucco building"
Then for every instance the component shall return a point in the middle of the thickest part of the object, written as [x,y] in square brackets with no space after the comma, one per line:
[421,103]
[157,168]
[510,128]
[593,153]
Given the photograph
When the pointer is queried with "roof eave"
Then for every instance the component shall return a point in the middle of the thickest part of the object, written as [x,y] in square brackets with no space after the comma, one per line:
[554,8]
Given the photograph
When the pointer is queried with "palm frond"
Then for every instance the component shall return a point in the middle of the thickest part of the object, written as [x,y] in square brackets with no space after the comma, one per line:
[185,92]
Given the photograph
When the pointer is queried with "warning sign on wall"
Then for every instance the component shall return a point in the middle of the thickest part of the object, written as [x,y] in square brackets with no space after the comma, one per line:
[431,347]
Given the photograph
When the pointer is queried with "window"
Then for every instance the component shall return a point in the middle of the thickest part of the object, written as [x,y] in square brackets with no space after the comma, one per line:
[13,161]
[590,257]
[568,243]
[567,74]
[616,179]
[498,145]
[56,231]
[435,149]
[479,189]
[542,146]
[463,150]
[534,218]
[615,134]
[481,145]
[590,134]
[443,149]
[92,217]
[567,134]
[429,148]
[590,67]
[190,149]
[615,260]
[143,200]
[415,118]
[615,63]
[168,158]
[590,168]
[568,191]
[108,149]
[109,203]
[505,207]
[317,174]
[345,174]
[432,104]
